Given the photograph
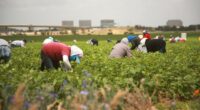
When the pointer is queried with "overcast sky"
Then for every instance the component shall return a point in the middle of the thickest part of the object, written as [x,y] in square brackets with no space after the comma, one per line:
[124,12]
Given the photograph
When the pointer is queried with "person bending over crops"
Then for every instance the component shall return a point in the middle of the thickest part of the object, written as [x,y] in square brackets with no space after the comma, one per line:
[121,49]
[109,40]
[48,40]
[146,34]
[54,52]
[93,42]
[133,41]
[5,51]
[18,43]
[152,45]
[172,39]
[148,45]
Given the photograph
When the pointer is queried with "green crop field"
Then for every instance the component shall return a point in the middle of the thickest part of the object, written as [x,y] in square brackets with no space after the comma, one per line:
[175,74]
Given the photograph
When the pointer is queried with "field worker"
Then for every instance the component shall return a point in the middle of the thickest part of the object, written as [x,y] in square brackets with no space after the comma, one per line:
[48,40]
[161,37]
[118,41]
[152,45]
[121,49]
[54,52]
[182,40]
[5,51]
[18,43]
[74,41]
[177,39]
[132,39]
[109,40]
[146,34]
[172,39]
[93,42]
[76,54]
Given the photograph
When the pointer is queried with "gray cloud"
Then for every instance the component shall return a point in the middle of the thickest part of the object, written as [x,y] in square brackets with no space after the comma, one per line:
[126,12]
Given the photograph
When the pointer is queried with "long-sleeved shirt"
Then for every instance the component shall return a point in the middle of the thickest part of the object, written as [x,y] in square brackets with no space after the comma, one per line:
[56,50]
[19,43]
[120,50]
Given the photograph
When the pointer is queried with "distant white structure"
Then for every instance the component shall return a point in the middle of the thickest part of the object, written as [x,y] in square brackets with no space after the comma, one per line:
[177,23]
[85,23]
[68,23]
[107,23]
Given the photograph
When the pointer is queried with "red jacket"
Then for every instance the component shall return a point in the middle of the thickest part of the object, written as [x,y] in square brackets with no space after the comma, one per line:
[147,35]
[56,50]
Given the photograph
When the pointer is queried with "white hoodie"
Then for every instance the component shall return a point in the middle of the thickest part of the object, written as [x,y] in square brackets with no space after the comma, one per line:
[76,51]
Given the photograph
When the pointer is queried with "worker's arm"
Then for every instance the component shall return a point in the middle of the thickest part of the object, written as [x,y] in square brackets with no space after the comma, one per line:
[67,65]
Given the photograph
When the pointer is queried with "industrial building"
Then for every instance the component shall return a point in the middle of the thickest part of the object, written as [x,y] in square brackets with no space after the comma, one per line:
[68,23]
[177,23]
[107,23]
[85,23]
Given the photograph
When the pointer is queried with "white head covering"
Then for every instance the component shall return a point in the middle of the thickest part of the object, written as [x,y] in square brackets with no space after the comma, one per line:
[76,51]
[50,37]
[3,42]
[48,40]
[144,31]
[125,41]
[140,36]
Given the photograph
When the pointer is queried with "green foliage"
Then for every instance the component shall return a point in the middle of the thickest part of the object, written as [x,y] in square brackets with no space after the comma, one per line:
[175,72]
[64,38]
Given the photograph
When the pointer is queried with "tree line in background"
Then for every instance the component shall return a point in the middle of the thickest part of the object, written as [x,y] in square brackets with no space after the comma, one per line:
[181,28]
[168,28]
